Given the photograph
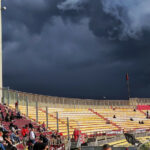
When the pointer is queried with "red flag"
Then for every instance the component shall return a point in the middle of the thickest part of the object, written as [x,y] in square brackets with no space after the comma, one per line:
[127,77]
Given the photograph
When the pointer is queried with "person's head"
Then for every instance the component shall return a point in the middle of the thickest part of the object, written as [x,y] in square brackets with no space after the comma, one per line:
[32,129]
[106,147]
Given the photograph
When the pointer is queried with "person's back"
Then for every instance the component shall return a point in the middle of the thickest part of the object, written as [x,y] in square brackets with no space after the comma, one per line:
[30,125]
[106,147]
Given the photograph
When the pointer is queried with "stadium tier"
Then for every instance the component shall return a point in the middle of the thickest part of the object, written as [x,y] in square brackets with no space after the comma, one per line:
[89,122]
[90,116]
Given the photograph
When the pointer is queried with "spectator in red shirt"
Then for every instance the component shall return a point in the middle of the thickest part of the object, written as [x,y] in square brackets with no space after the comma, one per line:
[24,133]
[75,135]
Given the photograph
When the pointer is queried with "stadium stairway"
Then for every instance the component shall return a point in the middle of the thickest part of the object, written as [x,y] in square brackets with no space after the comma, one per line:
[106,119]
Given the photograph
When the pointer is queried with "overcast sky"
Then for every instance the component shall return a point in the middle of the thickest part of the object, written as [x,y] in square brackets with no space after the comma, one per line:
[77,48]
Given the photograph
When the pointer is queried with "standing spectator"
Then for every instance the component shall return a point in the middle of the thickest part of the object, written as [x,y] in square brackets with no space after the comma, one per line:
[16,106]
[75,135]
[147,114]
[32,136]
[24,133]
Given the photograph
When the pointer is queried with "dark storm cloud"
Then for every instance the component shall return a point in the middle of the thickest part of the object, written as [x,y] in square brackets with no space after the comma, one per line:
[77,48]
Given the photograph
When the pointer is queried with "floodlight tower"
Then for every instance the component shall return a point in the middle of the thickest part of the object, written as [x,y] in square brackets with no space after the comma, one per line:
[1,73]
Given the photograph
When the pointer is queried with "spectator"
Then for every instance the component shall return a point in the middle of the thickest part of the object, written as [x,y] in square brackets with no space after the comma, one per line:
[1,140]
[75,135]
[24,133]
[40,129]
[32,136]
[16,106]
[12,116]
[114,116]
[43,138]
[8,142]
[18,115]
[12,127]
[131,119]
[7,118]
[147,114]
[106,147]
[30,125]
[14,138]
[2,115]
[39,145]
[43,126]
[6,110]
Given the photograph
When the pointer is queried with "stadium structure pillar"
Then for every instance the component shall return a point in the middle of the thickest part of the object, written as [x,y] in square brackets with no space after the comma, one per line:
[46,117]
[1,81]
[57,122]
[17,100]
[37,111]
[8,96]
[68,128]
[27,106]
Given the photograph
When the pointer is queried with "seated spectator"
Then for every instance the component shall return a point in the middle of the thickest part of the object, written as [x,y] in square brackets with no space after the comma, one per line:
[14,138]
[134,110]
[12,127]
[114,116]
[7,118]
[2,115]
[131,119]
[18,115]
[43,138]
[8,142]
[12,117]
[1,141]
[40,129]
[6,110]
[2,127]
[59,140]
[106,147]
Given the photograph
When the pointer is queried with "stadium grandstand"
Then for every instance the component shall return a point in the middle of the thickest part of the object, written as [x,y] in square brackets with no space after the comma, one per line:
[98,121]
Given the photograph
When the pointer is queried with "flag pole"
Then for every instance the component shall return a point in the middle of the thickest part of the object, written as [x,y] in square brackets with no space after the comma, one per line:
[128,85]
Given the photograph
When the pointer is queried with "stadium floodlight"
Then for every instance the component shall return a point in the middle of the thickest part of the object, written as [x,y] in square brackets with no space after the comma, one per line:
[1,79]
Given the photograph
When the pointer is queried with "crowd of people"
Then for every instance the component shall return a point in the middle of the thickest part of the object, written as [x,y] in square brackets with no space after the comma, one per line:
[30,136]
